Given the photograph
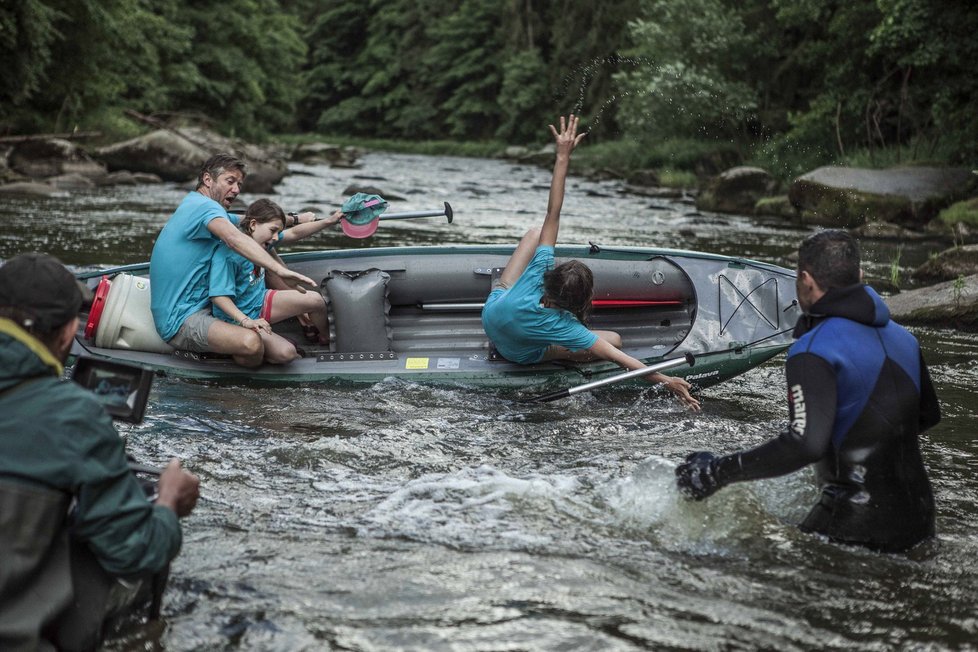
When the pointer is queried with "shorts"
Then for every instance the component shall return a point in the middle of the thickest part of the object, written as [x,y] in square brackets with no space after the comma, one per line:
[266,306]
[192,334]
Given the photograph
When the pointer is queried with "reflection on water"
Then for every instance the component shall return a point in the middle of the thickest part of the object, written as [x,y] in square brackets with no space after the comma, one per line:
[406,516]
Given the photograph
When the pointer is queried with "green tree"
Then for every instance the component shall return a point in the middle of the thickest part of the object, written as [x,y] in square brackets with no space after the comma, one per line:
[367,75]
[249,66]
[522,97]
[463,67]
[585,49]
[27,32]
[694,74]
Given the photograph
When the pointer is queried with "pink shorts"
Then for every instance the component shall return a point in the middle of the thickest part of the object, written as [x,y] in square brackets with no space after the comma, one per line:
[266,308]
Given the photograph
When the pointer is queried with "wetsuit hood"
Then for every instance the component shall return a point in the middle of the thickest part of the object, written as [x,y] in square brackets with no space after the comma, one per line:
[859,303]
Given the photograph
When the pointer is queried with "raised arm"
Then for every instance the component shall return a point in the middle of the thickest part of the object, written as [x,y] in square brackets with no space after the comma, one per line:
[566,139]
[307,225]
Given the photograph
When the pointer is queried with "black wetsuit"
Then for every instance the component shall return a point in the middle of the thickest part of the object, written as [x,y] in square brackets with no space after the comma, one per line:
[859,394]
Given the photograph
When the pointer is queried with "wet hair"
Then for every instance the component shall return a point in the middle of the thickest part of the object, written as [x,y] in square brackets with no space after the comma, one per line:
[262,211]
[217,165]
[570,286]
[831,257]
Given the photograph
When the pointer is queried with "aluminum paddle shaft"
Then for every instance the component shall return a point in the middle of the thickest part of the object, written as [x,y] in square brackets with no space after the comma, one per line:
[407,215]
[634,373]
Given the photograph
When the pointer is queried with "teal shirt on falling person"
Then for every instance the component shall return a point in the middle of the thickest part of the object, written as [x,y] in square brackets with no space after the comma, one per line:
[520,327]
[180,264]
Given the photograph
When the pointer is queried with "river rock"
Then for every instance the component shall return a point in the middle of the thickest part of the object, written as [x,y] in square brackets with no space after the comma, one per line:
[354,188]
[778,206]
[127,178]
[177,154]
[952,303]
[29,189]
[887,231]
[71,181]
[647,177]
[736,190]
[848,197]
[50,157]
[949,265]
[544,156]
[327,154]
[162,152]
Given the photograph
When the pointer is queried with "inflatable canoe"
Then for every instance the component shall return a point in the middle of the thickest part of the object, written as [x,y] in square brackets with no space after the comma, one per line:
[415,313]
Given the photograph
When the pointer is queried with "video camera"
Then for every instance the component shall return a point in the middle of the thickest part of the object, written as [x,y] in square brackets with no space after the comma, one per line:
[122,388]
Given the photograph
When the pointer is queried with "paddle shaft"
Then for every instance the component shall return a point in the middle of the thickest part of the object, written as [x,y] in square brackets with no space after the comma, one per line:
[408,215]
[634,373]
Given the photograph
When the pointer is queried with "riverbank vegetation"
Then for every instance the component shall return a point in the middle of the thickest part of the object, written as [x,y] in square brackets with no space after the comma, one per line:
[686,87]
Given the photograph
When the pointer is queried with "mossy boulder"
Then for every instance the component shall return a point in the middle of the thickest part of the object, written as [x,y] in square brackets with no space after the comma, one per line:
[949,265]
[736,190]
[779,206]
[952,303]
[849,197]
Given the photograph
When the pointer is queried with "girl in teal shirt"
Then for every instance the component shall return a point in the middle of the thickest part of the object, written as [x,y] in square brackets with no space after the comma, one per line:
[237,286]
[535,310]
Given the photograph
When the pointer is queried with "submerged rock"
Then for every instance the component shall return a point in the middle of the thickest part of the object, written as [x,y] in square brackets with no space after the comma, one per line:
[327,154]
[29,189]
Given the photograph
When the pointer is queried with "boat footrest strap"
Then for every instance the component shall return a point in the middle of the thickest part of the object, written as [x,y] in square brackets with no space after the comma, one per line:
[366,356]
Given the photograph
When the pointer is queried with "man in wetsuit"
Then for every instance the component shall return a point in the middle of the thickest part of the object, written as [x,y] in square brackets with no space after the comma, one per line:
[859,395]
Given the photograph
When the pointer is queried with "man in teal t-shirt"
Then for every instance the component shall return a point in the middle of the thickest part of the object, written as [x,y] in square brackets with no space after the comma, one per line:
[179,287]
[181,259]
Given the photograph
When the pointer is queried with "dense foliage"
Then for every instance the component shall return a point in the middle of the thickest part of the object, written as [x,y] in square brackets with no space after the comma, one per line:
[784,82]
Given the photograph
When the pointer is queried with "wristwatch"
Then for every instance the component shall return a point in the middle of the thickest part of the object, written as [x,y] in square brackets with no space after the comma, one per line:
[295,218]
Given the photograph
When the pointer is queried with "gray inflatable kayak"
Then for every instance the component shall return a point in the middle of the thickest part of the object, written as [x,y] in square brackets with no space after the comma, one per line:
[415,313]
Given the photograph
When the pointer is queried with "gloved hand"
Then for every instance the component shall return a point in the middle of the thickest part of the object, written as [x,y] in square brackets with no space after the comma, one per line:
[697,476]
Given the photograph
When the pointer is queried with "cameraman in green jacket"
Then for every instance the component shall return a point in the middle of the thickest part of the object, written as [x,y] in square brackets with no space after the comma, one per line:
[73,517]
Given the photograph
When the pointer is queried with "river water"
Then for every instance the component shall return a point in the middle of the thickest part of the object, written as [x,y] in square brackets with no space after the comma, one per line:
[399,516]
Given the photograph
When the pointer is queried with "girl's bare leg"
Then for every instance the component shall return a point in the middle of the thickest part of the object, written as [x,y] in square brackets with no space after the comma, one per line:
[291,303]
[278,350]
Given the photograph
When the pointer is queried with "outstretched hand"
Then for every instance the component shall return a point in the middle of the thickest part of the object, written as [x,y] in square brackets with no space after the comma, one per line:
[295,280]
[681,388]
[567,137]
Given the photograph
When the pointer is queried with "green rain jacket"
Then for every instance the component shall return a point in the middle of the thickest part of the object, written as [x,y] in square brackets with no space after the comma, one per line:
[58,447]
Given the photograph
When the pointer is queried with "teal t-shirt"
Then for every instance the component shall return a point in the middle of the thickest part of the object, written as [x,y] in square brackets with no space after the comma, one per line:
[521,328]
[233,275]
[181,260]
